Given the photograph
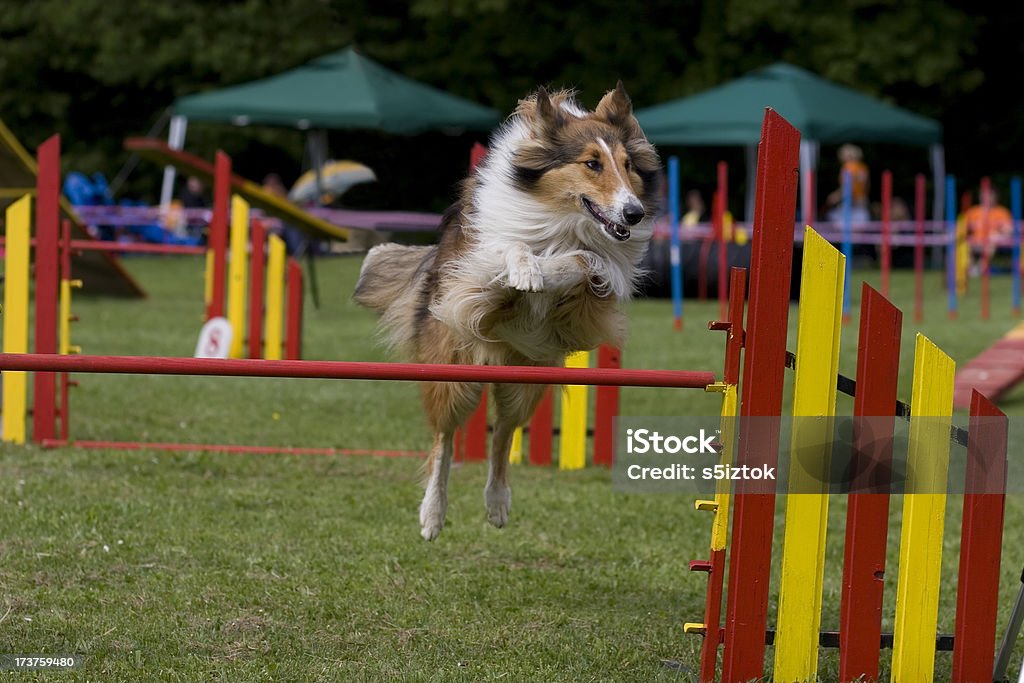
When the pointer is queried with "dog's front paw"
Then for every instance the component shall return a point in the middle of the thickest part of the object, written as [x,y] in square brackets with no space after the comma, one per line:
[525,273]
[498,502]
[432,514]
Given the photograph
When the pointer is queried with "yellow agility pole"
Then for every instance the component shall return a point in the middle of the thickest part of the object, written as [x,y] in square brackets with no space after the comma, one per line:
[924,510]
[237,271]
[814,403]
[15,314]
[208,279]
[65,346]
[573,442]
[275,299]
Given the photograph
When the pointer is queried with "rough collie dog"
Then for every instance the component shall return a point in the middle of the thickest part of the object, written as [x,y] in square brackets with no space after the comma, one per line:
[534,258]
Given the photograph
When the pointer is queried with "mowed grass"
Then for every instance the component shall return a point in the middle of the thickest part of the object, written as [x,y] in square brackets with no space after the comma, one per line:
[191,566]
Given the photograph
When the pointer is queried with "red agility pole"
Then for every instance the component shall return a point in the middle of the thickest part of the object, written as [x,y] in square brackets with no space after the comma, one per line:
[986,237]
[218,235]
[867,515]
[919,199]
[129,247]
[541,430]
[293,321]
[312,369]
[606,408]
[886,245]
[64,409]
[47,276]
[723,195]
[715,565]
[257,270]
[230,448]
[746,619]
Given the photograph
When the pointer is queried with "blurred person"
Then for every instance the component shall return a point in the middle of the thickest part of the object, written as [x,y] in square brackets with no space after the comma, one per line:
[695,209]
[851,160]
[192,197]
[987,223]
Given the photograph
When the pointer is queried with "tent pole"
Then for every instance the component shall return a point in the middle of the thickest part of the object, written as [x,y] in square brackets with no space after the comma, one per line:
[808,166]
[938,161]
[751,154]
[175,140]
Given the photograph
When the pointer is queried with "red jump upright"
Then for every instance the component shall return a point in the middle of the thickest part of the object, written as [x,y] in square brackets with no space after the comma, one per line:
[47,277]
[763,374]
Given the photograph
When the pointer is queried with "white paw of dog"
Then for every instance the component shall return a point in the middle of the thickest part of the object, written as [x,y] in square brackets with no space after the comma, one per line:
[432,514]
[498,502]
[525,274]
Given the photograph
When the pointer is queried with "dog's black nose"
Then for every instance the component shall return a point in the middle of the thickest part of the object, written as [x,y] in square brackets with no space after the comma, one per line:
[633,213]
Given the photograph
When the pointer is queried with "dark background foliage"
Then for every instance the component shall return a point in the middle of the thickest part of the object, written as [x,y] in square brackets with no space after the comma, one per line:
[97,71]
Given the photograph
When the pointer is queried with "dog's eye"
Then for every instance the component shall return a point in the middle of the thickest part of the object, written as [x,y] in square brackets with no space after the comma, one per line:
[628,165]
[594,165]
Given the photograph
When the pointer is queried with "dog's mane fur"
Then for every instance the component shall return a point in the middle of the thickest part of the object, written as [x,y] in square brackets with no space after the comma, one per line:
[455,281]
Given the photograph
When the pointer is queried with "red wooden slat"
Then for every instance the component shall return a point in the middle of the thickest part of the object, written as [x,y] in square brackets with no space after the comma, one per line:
[541,427]
[44,412]
[606,408]
[217,238]
[980,543]
[476,431]
[763,370]
[257,267]
[734,343]
[293,312]
[867,515]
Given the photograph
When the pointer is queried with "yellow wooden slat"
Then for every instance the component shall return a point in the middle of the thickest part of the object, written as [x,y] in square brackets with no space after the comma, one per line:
[237,269]
[814,400]
[924,509]
[273,318]
[15,315]
[208,279]
[720,527]
[65,346]
[573,441]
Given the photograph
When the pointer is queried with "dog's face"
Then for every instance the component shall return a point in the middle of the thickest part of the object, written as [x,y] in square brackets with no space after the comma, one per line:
[598,165]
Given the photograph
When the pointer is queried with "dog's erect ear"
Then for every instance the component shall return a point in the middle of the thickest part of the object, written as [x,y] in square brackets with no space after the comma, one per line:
[615,107]
[549,115]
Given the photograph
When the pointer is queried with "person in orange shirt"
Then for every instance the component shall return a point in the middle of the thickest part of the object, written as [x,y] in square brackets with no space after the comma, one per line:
[987,224]
[853,163]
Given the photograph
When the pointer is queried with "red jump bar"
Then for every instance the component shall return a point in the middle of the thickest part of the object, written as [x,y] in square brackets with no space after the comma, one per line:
[421,372]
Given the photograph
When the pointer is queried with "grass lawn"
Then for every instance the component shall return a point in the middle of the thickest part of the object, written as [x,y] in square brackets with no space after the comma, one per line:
[186,567]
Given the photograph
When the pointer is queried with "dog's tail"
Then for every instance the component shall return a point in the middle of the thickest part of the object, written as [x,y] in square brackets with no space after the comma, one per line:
[392,281]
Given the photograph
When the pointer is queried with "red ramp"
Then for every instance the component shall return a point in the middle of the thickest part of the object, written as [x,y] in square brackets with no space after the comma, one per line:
[998,369]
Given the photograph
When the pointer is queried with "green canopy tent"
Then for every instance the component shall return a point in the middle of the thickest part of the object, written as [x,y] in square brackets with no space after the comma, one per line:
[343,89]
[730,114]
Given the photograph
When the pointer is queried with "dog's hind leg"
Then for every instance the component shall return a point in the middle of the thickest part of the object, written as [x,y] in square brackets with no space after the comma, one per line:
[448,405]
[514,404]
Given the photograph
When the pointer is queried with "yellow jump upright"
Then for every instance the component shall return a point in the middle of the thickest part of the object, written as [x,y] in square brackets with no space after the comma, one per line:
[274,320]
[15,315]
[924,510]
[515,452]
[237,270]
[573,441]
[814,402]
